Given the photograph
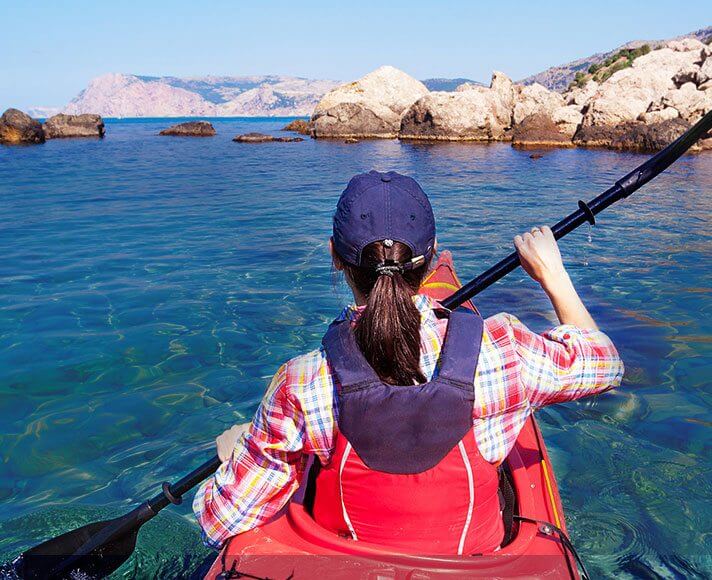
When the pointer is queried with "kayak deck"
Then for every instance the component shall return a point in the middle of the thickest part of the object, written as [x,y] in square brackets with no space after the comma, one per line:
[294,545]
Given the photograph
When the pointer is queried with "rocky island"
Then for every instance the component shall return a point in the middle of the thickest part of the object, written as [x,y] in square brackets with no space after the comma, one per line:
[62,126]
[17,127]
[636,99]
[190,129]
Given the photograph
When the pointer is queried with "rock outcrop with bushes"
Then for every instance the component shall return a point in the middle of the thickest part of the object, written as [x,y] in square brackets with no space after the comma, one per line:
[639,99]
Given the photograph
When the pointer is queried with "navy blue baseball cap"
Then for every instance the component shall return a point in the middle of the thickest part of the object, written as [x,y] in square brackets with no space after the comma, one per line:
[381,207]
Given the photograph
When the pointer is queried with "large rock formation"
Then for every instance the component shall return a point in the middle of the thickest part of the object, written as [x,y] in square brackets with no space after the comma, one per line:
[471,113]
[652,84]
[190,129]
[60,126]
[17,127]
[369,107]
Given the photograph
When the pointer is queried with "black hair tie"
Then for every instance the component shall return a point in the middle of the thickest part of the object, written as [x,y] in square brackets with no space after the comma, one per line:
[388,268]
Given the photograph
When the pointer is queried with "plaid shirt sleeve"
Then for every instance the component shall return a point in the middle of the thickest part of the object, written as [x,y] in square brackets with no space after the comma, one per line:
[263,473]
[565,363]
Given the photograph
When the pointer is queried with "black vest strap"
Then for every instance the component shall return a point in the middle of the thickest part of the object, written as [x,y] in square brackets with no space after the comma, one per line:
[458,355]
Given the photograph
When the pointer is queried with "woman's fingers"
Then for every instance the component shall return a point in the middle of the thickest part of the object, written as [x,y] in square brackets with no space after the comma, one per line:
[226,442]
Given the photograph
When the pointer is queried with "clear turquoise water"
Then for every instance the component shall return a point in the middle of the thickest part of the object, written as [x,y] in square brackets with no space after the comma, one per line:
[150,286]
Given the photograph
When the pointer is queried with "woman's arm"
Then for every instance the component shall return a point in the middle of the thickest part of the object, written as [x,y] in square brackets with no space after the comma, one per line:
[260,472]
[573,360]
[541,259]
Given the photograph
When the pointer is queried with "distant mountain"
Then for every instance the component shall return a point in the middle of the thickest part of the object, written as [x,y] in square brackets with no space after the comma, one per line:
[124,95]
[447,84]
[558,78]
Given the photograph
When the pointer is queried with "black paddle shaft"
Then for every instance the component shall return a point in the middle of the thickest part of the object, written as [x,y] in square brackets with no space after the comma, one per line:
[587,211]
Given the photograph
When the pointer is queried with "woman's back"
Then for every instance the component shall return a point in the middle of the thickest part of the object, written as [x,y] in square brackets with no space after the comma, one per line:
[384,237]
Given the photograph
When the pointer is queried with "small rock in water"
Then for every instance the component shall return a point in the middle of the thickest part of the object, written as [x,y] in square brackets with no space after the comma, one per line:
[62,126]
[190,129]
[351,140]
[536,156]
[262,138]
[18,127]
[299,126]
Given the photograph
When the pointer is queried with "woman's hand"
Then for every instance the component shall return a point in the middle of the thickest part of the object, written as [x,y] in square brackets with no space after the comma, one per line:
[227,441]
[540,256]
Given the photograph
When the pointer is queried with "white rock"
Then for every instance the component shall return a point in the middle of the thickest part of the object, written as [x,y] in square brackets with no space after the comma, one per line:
[704,73]
[568,119]
[659,115]
[467,115]
[533,99]
[691,102]
[686,45]
[580,96]
[690,73]
[369,107]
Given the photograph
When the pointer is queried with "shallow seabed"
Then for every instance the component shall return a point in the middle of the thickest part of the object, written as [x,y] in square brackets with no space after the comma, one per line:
[150,286]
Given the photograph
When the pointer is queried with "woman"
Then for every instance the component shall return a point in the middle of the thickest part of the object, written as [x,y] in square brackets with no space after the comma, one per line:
[409,408]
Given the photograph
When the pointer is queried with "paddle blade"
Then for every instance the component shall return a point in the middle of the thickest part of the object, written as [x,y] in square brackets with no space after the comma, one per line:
[49,559]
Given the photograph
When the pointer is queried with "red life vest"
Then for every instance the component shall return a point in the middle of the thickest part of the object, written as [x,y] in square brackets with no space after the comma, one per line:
[406,472]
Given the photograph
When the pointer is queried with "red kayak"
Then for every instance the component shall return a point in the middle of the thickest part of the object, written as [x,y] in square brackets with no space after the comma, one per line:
[294,546]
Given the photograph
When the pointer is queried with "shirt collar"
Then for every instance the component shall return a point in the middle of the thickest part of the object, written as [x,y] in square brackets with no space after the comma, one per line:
[425,305]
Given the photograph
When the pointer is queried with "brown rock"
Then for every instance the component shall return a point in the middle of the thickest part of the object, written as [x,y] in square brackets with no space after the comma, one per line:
[61,126]
[262,138]
[253,138]
[299,126]
[190,129]
[18,127]
[632,136]
[539,130]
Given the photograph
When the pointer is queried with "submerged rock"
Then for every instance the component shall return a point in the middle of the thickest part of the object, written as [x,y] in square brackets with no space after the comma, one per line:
[61,126]
[371,107]
[18,127]
[190,129]
[299,126]
[262,138]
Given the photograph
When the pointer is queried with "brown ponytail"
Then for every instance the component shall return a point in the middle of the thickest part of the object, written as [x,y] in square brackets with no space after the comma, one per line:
[388,330]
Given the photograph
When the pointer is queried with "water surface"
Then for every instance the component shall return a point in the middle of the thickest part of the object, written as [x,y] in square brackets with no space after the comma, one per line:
[150,286]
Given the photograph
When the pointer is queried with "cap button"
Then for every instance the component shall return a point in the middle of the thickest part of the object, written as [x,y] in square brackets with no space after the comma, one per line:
[385,178]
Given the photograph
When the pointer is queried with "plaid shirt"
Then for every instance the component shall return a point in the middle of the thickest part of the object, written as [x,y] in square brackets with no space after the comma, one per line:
[518,371]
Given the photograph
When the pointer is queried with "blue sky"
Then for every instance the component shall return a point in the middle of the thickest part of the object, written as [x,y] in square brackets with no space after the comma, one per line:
[49,50]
